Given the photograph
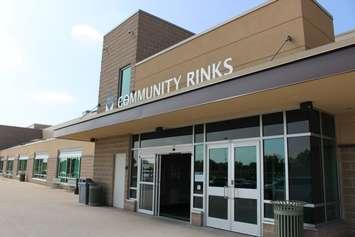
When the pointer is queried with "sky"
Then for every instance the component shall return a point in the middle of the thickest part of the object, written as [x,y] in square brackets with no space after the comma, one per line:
[50,50]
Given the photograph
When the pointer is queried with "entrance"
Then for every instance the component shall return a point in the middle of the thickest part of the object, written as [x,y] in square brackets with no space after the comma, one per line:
[164,182]
[175,180]
[233,189]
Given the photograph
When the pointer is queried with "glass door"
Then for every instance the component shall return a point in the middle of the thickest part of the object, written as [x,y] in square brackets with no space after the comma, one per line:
[218,211]
[146,185]
[245,198]
[233,196]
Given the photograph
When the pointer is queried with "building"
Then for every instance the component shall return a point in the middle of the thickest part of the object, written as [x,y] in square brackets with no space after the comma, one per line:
[210,128]
[47,160]
[11,136]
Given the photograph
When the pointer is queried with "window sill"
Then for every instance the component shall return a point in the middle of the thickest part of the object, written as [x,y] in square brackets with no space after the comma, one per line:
[41,180]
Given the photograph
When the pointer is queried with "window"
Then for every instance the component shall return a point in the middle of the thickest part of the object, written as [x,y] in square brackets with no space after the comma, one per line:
[125,81]
[305,169]
[299,121]
[274,169]
[1,165]
[198,169]
[133,180]
[40,166]
[167,137]
[22,165]
[331,180]
[233,129]
[9,167]
[273,124]
[69,165]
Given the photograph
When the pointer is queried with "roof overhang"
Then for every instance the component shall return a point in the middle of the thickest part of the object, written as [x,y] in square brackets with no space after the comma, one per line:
[326,78]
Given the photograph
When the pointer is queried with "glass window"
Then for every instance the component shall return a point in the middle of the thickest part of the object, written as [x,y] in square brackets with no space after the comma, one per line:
[1,166]
[299,121]
[233,129]
[245,170]
[328,125]
[166,137]
[331,179]
[305,169]
[9,167]
[69,168]
[40,168]
[125,81]
[268,210]
[246,210]
[147,171]
[218,167]
[199,133]
[197,202]
[198,168]
[274,169]
[22,166]
[273,124]
[133,180]
[218,207]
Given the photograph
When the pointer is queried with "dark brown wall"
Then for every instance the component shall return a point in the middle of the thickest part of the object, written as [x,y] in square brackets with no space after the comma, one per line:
[119,50]
[12,136]
[138,37]
[156,34]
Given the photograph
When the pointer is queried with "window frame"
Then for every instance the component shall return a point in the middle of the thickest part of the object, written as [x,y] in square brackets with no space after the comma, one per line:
[120,79]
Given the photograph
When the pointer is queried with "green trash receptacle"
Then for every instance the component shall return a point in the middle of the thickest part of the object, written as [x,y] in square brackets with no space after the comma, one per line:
[288,217]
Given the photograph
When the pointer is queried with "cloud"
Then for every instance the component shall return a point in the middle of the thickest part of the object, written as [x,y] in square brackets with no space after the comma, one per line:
[11,55]
[52,97]
[85,33]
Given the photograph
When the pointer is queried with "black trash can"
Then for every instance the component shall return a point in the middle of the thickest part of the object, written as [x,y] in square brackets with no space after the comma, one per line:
[95,194]
[22,177]
[84,190]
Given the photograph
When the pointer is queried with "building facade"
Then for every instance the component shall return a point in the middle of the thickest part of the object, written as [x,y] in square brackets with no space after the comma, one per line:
[49,161]
[211,128]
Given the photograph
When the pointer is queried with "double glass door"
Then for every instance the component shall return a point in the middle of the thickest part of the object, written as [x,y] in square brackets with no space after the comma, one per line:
[233,196]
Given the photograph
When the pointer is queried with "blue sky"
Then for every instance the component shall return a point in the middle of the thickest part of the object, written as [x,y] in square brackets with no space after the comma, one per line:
[50,51]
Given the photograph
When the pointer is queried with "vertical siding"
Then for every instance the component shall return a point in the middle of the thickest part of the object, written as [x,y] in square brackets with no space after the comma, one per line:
[347,157]
[105,150]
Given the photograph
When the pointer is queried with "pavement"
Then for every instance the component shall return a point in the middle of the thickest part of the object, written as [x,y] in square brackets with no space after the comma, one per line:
[32,210]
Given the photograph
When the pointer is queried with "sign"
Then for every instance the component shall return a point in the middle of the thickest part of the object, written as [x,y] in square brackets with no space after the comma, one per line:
[195,77]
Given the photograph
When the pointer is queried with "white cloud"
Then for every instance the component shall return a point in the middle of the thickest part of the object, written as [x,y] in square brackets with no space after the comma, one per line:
[52,97]
[11,55]
[85,33]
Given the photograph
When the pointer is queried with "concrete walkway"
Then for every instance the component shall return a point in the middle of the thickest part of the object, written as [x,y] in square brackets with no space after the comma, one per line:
[31,210]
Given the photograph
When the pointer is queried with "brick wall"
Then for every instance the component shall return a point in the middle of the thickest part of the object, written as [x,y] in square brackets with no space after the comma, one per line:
[347,157]
[104,162]
[156,34]
[11,136]
[138,37]
[119,50]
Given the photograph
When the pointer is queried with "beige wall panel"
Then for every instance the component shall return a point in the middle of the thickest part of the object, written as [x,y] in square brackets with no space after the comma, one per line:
[52,147]
[314,37]
[265,18]
[345,125]
[104,162]
[318,18]
[247,52]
